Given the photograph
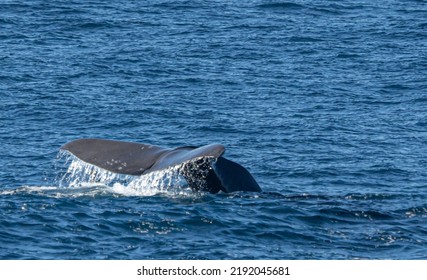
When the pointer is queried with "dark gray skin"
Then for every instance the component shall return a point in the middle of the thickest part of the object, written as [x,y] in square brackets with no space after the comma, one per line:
[138,159]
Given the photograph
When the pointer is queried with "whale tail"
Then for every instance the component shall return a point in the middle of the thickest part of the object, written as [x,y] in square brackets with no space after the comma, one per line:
[200,172]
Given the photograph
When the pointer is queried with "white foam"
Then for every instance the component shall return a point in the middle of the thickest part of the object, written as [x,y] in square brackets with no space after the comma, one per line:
[80,175]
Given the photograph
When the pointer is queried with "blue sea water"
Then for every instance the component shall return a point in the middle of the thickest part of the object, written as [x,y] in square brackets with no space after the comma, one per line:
[325,102]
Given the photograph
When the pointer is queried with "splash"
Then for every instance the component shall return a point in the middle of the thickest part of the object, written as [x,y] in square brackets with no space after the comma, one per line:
[79,175]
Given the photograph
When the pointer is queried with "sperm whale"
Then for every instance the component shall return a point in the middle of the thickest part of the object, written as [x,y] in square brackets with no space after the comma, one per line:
[204,167]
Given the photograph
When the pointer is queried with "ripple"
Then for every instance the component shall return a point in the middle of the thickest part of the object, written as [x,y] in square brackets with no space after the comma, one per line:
[324,101]
[281,6]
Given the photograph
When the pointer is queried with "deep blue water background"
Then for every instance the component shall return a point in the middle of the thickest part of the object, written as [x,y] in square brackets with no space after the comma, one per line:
[325,102]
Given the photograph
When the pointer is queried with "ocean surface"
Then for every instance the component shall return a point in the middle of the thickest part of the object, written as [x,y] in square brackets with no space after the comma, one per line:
[324,102]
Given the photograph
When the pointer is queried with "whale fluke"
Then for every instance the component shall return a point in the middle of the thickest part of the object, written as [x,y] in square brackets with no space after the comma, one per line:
[130,158]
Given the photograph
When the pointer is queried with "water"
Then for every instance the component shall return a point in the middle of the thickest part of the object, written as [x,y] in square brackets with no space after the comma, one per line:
[323,101]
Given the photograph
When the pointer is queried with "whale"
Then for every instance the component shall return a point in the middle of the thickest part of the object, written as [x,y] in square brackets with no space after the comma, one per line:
[203,167]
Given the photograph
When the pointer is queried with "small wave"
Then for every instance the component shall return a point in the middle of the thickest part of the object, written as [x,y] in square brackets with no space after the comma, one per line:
[416,211]
[90,190]
[281,6]
[27,190]
[304,39]
[95,25]
[370,196]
